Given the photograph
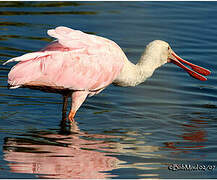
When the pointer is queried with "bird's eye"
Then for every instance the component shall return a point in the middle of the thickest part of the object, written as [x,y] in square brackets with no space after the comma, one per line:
[168,48]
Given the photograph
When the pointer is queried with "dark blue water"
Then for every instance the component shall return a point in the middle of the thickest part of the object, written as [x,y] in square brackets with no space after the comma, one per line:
[132,132]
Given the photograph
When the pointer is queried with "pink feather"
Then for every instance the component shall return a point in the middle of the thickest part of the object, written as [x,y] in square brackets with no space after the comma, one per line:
[77,61]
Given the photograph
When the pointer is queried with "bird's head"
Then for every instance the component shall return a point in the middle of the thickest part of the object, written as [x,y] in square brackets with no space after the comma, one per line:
[168,55]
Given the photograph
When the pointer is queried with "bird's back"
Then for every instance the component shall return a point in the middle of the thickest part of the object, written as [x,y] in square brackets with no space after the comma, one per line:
[76,61]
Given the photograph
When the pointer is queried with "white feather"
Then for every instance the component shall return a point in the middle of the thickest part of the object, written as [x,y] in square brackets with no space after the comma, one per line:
[27,57]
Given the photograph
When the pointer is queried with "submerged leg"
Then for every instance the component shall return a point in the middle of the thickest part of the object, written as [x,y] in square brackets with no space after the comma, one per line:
[78,98]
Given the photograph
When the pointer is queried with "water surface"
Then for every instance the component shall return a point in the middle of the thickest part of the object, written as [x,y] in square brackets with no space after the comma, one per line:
[132,132]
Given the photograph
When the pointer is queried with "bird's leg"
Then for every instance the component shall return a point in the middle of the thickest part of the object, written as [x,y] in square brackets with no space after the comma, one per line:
[78,98]
[64,108]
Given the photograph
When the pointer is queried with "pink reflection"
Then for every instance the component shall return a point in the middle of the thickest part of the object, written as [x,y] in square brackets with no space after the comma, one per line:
[79,157]
[193,137]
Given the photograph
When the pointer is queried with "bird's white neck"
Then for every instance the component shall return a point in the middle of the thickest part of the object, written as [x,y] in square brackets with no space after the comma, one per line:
[134,74]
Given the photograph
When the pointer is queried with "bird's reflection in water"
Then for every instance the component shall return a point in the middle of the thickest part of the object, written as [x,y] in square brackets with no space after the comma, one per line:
[193,137]
[49,155]
[71,153]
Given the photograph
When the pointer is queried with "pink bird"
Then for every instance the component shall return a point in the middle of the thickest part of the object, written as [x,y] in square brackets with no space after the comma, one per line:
[80,65]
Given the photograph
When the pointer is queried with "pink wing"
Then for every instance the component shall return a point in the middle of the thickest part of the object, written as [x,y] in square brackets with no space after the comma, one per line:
[76,61]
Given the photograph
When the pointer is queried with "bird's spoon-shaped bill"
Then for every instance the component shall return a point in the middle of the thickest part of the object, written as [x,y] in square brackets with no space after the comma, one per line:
[196,68]
[175,59]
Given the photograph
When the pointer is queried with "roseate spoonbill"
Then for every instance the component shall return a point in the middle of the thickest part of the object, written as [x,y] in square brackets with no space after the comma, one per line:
[79,64]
